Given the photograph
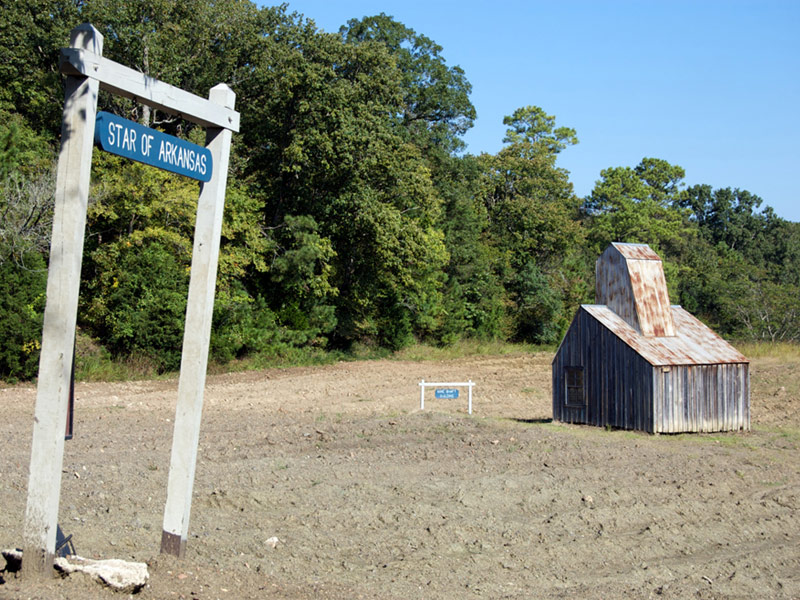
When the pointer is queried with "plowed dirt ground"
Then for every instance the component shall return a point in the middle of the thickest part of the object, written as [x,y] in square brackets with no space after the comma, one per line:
[370,497]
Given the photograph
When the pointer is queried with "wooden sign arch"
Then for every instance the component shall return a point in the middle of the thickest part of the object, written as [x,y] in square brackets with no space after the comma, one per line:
[87,72]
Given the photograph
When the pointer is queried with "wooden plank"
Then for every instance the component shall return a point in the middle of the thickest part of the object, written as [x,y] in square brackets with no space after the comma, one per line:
[194,359]
[554,368]
[712,397]
[734,397]
[663,379]
[740,396]
[609,363]
[666,399]
[658,411]
[691,373]
[679,377]
[670,399]
[701,397]
[621,376]
[702,393]
[709,398]
[697,378]
[647,391]
[747,396]
[659,394]
[688,372]
[725,388]
[719,397]
[677,394]
[129,83]
[698,394]
[60,315]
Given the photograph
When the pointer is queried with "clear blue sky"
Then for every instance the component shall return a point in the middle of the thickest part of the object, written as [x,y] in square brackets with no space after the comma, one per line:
[710,85]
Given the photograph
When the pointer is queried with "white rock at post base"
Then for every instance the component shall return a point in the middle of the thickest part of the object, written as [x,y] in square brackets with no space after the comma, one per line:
[120,575]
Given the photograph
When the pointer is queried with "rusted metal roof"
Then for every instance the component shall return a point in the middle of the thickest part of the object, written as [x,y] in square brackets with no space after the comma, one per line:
[636,251]
[630,280]
[692,344]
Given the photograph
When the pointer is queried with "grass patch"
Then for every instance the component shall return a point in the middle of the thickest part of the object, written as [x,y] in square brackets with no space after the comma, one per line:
[781,350]
[554,426]
[306,357]
[99,366]
[101,369]
[727,440]
[789,433]
[466,348]
[94,363]
[287,357]
[778,483]
[630,434]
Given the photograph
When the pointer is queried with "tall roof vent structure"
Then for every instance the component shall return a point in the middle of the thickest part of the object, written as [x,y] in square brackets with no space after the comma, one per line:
[630,281]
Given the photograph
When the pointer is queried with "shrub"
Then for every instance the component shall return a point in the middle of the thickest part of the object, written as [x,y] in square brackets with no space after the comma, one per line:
[22,294]
[139,306]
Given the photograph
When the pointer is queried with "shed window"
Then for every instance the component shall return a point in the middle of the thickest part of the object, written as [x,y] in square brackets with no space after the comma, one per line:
[573,377]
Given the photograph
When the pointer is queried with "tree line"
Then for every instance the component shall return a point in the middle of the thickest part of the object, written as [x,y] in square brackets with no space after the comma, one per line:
[353,215]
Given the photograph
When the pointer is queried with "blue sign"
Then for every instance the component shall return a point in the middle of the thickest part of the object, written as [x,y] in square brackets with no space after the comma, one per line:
[137,142]
[447,393]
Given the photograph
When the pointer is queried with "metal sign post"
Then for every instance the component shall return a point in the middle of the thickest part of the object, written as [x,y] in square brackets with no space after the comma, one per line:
[88,72]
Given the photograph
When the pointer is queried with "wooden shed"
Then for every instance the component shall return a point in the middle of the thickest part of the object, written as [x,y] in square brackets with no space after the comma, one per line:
[635,362]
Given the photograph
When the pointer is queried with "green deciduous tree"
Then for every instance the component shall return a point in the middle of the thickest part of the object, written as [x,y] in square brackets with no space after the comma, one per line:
[436,109]
[22,295]
[26,215]
[136,264]
[192,44]
[474,298]
[637,205]
[302,270]
[22,150]
[743,273]
[32,32]
[532,132]
[533,215]
[327,148]
[140,308]
[351,216]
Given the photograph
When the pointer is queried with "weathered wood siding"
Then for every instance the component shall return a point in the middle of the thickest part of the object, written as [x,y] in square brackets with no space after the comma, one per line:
[622,389]
[702,398]
[617,381]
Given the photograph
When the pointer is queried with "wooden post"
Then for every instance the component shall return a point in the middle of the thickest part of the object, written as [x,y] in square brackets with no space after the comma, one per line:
[194,359]
[60,314]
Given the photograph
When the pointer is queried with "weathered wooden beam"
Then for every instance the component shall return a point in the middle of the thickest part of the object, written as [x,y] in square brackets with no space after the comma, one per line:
[197,333]
[60,314]
[129,83]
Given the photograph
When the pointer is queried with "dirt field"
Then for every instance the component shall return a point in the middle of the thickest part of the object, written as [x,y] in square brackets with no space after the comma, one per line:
[371,498]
